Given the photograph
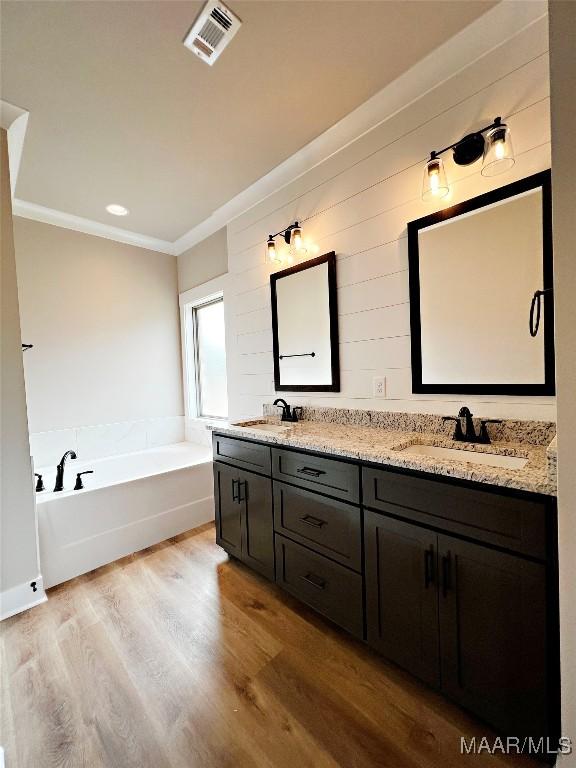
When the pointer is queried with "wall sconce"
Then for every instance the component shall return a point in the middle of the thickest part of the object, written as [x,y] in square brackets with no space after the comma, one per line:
[292,237]
[495,147]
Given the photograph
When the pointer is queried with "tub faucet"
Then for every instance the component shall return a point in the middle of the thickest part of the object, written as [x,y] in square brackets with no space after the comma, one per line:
[60,471]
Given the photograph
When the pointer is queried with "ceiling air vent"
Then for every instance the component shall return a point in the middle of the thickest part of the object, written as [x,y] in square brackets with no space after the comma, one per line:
[212,31]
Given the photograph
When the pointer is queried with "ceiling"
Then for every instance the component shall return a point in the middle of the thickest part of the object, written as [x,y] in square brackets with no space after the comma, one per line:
[121,112]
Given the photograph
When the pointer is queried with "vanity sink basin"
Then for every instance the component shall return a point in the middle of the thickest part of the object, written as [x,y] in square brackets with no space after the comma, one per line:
[472,457]
[277,429]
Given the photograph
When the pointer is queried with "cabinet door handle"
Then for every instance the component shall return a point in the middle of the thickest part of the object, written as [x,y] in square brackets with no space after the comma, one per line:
[429,575]
[316,581]
[446,573]
[310,471]
[242,485]
[236,493]
[315,522]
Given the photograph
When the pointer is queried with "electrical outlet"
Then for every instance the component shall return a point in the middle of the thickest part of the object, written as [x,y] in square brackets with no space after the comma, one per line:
[379,386]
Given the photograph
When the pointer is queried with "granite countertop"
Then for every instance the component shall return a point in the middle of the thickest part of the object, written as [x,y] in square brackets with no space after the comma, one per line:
[383,446]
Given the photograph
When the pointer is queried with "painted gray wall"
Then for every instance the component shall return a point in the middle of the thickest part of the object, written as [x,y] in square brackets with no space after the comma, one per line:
[18,541]
[563,114]
[203,261]
[104,319]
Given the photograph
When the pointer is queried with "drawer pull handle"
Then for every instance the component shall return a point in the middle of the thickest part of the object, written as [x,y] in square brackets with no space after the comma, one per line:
[311,471]
[314,580]
[313,521]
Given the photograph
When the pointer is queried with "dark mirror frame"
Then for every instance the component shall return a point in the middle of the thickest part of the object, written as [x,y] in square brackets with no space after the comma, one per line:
[539,180]
[330,259]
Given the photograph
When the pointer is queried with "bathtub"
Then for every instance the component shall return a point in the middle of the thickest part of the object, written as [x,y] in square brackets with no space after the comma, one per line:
[130,502]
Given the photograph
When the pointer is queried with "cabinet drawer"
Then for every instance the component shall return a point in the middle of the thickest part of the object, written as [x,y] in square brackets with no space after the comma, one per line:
[504,521]
[329,588]
[327,526]
[242,453]
[329,476]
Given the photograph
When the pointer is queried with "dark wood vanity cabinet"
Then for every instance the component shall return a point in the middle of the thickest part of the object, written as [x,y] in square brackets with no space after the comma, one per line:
[402,594]
[463,617]
[228,511]
[453,581]
[461,613]
[493,649]
[244,521]
[329,588]
[330,527]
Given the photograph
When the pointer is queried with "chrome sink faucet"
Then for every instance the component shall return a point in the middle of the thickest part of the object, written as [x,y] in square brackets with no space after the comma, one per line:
[469,434]
[59,486]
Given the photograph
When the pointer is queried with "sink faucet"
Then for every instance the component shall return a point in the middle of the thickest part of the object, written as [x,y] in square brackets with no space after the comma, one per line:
[469,429]
[469,434]
[288,414]
[60,470]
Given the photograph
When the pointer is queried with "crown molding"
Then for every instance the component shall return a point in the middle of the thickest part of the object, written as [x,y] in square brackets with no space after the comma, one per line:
[68,221]
[491,30]
[14,120]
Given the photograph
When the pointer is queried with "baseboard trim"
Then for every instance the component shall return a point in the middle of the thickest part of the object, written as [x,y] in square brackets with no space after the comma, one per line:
[21,598]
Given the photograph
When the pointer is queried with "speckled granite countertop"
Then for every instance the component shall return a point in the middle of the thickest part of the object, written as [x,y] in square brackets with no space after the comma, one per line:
[383,445]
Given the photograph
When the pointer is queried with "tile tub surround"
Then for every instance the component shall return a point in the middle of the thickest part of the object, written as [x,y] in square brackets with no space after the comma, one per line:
[101,440]
[381,443]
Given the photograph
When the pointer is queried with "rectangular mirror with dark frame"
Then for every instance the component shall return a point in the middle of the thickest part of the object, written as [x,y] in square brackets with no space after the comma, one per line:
[305,327]
[481,309]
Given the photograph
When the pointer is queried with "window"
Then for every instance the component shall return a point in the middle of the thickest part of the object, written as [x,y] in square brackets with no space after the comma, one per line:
[209,359]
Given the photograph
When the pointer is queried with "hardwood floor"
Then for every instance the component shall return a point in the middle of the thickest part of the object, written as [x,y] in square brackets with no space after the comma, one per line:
[178,658]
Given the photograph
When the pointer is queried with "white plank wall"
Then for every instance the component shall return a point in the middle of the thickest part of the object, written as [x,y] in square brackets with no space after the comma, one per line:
[358,203]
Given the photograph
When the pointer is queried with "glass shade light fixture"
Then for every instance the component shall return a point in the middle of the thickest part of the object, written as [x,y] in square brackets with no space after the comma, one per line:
[493,142]
[498,150]
[434,184]
[271,253]
[296,237]
[292,236]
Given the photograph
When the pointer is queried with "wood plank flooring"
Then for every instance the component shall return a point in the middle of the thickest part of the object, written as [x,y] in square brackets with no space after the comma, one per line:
[177,657]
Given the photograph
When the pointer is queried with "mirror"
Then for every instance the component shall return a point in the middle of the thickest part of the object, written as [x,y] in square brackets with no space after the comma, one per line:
[474,270]
[305,327]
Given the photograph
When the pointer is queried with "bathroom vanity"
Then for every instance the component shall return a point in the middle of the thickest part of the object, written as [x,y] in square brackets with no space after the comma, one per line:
[447,568]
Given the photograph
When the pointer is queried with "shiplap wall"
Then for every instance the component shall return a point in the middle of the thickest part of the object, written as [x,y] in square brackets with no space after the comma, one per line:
[358,203]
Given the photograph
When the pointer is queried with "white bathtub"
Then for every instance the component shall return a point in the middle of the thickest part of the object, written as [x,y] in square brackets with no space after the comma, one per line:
[130,502]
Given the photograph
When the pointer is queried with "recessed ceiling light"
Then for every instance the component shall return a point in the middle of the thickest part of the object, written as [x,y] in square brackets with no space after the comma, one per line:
[117,210]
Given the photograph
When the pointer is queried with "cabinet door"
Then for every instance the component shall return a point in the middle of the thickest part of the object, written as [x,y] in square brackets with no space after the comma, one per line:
[402,594]
[493,635]
[255,497]
[228,509]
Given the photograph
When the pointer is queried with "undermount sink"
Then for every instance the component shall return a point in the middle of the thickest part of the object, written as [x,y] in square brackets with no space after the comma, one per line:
[278,429]
[470,456]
